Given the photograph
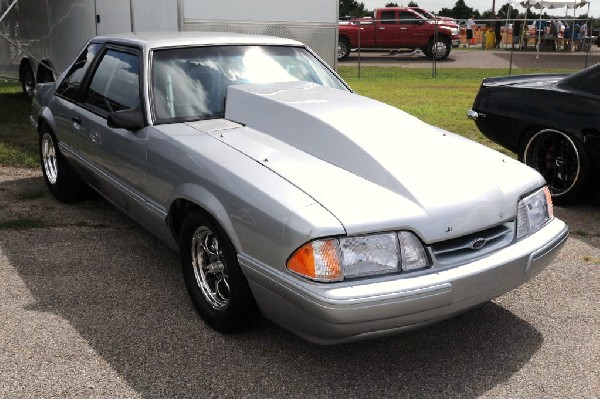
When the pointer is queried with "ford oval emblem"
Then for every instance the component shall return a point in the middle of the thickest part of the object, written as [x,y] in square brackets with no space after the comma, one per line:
[477,244]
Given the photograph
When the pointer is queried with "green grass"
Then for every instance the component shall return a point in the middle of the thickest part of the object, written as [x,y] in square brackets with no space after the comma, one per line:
[18,142]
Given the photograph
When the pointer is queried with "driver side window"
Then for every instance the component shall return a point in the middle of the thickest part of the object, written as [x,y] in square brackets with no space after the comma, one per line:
[115,85]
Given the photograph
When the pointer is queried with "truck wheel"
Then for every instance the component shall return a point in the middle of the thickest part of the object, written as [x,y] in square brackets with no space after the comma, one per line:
[438,49]
[343,49]
[561,160]
[27,80]
[61,180]
[213,278]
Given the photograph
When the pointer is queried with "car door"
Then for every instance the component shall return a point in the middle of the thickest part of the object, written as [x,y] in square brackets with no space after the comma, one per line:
[117,157]
[412,29]
[388,29]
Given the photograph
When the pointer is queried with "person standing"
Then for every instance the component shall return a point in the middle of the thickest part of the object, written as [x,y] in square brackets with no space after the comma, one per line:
[517,28]
[497,28]
[469,28]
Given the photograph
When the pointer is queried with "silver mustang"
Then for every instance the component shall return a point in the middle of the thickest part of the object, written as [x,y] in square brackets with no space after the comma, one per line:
[334,215]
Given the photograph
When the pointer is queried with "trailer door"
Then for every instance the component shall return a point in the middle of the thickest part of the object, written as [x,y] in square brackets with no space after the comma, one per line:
[113,16]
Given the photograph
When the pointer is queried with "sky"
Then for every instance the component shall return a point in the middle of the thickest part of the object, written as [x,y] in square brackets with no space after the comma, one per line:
[481,5]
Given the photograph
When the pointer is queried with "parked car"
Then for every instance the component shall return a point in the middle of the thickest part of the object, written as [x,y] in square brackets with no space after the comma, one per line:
[244,153]
[551,121]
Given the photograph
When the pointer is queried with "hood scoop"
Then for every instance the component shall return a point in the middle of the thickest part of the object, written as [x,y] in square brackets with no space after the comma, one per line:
[315,119]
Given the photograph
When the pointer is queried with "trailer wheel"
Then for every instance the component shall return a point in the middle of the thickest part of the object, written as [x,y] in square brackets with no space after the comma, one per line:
[343,49]
[27,79]
[45,75]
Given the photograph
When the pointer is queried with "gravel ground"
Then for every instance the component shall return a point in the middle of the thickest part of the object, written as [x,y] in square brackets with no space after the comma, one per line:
[93,306]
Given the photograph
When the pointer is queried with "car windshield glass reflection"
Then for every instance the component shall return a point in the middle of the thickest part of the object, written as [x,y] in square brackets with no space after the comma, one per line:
[191,83]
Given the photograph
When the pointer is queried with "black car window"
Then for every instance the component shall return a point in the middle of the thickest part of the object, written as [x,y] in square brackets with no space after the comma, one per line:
[115,85]
[70,85]
[388,17]
[408,18]
[588,81]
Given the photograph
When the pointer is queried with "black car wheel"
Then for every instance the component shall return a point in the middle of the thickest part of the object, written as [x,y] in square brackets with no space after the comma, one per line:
[561,160]
[343,49]
[212,274]
[60,179]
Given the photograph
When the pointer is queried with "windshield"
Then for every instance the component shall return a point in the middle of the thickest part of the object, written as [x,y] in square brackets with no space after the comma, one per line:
[191,83]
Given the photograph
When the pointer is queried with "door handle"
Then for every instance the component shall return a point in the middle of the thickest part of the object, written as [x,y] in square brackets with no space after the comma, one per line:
[76,122]
[381,28]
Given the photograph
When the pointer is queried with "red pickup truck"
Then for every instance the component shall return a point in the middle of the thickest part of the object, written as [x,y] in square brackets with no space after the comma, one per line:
[396,28]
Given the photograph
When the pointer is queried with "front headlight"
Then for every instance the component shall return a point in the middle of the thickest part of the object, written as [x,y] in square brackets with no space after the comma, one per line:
[533,212]
[337,258]
[455,32]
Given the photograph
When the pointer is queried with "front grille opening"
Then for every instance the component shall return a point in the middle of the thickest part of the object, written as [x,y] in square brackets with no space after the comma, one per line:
[475,245]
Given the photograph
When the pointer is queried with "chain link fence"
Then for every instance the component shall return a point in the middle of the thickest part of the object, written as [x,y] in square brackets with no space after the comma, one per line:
[511,44]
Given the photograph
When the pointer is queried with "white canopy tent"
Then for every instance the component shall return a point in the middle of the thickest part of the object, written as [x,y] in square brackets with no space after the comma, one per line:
[551,4]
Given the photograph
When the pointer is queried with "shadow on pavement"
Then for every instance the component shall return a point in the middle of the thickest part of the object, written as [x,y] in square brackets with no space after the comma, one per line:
[121,290]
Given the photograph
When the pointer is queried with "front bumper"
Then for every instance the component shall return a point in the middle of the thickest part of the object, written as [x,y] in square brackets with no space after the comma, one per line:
[331,313]
[455,43]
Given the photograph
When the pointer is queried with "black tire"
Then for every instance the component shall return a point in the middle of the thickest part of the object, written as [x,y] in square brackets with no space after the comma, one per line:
[218,289]
[27,80]
[343,49]
[61,180]
[440,48]
[562,161]
[45,75]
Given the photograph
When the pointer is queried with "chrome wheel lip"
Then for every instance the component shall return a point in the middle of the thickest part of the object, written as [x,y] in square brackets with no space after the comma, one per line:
[210,269]
[49,158]
[531,157]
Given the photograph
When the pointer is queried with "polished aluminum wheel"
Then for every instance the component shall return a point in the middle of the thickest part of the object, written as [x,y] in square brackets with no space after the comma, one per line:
[49,158]
[210,269]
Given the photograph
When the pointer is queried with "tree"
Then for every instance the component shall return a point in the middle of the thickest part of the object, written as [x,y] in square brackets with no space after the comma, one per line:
[459,11]
[412,4]
[352,8]
[391,4]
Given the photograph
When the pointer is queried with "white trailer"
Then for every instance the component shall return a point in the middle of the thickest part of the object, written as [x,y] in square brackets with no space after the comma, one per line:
[39,38]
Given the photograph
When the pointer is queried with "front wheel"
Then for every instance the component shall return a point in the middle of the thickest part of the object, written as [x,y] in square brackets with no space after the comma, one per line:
[343,49]
[438,49]
[61,180]
[218,289]
[561,160]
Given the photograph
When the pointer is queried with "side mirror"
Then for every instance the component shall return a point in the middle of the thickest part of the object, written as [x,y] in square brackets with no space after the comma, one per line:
[130,119]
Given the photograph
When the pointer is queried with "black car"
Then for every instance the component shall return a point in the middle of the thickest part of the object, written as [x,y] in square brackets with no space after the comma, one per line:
[552,121]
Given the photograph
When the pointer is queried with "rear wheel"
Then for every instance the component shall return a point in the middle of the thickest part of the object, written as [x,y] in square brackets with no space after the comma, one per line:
[212,274]
[60,179]
[438,49]
[343,49]
[561,160]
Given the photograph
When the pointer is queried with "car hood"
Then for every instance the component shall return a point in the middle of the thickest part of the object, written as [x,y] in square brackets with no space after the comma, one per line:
[541,81]
[371,165]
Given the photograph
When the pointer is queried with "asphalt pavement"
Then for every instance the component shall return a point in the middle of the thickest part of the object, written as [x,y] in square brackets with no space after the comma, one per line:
[477,58]
[92,306]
